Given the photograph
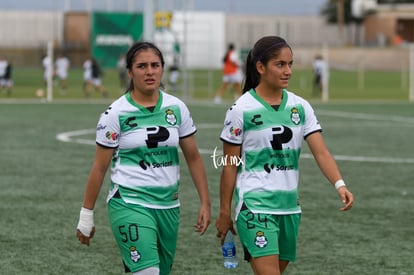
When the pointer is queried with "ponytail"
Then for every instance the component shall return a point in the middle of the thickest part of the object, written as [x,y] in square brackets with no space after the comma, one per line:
[252,75]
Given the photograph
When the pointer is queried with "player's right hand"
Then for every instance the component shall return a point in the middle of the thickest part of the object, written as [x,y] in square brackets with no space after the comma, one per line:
[85,239]
[86,228]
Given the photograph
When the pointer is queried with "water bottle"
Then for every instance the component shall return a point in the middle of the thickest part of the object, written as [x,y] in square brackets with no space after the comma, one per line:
[229,251]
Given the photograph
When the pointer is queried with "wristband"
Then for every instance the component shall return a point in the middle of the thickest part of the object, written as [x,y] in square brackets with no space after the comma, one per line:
[339,184]
[85,224]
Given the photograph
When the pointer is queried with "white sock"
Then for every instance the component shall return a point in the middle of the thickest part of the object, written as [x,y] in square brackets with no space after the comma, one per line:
[148,271]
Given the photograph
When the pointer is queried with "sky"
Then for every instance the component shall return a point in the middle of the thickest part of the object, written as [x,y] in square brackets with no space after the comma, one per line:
[259,7]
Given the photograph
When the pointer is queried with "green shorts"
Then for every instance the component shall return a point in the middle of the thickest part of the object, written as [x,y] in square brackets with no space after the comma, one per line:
[268,234]
[146,237]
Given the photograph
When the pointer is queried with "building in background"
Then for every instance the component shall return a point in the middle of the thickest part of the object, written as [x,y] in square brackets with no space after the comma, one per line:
[202,36]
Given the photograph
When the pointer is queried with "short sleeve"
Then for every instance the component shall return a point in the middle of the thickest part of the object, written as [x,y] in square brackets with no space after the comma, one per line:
[311,121]
[233,126]
[108,129]
[187,127]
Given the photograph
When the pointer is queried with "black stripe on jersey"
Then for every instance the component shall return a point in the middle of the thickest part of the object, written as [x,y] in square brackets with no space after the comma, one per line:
[97,143]
[226,141]
[189,135]
[320,131]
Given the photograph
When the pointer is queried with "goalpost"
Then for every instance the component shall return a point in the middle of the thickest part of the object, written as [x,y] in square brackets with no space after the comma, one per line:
[411,73]
[49,71]
[325,74]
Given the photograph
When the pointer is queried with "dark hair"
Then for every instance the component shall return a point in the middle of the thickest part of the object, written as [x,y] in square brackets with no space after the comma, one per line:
[229,49]
[96,69]
[134,49]
[263,50]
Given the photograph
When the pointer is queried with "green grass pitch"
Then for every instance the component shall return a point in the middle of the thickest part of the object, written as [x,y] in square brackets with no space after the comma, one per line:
[42,182]
[202,84]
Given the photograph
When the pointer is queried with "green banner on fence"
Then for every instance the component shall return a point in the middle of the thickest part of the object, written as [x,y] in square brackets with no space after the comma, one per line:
[112,34]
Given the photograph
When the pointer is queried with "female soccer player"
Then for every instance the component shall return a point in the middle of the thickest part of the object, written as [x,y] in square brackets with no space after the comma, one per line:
[138,136]
[265,127]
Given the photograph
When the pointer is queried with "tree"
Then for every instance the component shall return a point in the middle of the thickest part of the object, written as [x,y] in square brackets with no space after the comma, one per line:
[333,14]
[395,1]
[340,12]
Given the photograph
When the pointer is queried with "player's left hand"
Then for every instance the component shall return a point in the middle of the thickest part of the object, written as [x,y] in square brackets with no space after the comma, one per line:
[224,223]
[203,221]
[346,197]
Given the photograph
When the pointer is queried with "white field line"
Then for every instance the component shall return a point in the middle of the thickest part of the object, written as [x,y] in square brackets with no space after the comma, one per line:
[68,136]
[383,118]
[365,159]
[71,138]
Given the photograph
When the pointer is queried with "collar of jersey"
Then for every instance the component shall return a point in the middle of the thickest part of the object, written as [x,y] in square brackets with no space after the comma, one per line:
[267,105]
[142,108]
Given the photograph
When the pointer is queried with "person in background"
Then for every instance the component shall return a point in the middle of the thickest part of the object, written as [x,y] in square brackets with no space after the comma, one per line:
[5,75]
[398,40]
[87,75]
[3,66]
[319,72]
[92,76]
[47,64]
[6,81]
[232,74]
[138,136]
[122,72]
[174,75]
[264,130]
[62,65]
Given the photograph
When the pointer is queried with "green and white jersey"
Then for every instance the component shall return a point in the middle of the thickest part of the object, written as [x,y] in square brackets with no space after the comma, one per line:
[145,165]
[268,176]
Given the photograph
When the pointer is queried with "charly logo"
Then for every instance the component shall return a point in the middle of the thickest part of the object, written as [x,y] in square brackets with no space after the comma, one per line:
[170,117]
